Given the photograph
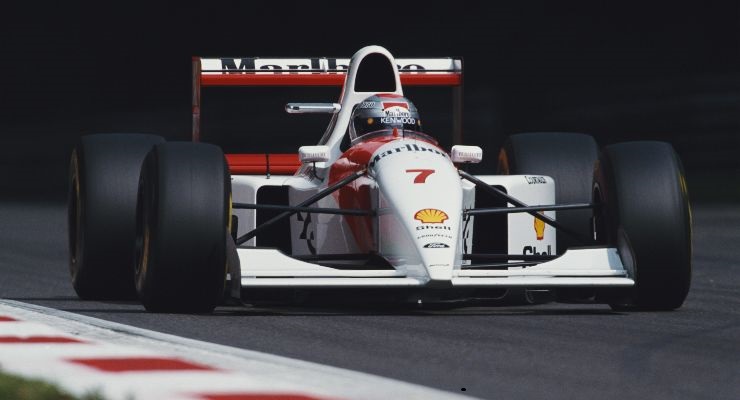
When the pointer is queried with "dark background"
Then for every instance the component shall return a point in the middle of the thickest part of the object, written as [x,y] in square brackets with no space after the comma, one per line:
[617,70]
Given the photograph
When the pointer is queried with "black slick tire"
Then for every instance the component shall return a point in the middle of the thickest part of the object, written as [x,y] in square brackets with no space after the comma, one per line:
[183,215]
[569,159]
[644,211]
[101,209]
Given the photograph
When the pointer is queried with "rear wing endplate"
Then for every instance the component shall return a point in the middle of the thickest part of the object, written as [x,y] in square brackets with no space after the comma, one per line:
[320,71]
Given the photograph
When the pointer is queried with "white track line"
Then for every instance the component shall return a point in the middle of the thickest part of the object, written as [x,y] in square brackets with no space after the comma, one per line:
[237,371]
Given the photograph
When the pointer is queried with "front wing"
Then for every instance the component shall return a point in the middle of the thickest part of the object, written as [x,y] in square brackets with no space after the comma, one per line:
[585,267]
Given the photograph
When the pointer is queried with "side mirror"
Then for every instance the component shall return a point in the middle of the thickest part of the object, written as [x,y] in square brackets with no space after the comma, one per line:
[313,154]
[466,154]
[312,108]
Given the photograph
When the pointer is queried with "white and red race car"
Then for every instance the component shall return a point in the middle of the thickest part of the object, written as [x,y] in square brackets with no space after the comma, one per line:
[179,224]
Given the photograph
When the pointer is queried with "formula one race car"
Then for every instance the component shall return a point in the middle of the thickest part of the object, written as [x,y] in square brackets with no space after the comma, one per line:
[376,207]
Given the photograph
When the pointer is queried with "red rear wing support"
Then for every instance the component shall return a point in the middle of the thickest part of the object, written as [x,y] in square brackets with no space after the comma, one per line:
[254,71]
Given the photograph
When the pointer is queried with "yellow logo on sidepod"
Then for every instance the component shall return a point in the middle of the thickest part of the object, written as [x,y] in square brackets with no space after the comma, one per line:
[539,228]
[431,216]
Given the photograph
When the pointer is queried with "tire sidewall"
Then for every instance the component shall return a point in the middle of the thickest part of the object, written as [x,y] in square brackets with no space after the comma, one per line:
[644,211]
[166,279]
[101,213]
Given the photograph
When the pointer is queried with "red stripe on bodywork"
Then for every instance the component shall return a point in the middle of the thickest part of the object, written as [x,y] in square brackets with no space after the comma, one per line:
[256,164]
[38,339]
[7,319]
[258,396]
[286,79]
[357,193]
[136,364]
[451,79]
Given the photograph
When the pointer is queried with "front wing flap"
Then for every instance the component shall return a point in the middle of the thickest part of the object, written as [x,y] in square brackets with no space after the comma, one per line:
[586,267]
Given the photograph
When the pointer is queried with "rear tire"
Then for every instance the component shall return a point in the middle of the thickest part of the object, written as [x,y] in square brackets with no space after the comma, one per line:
[569,159]
[183,215]
[644,212]
[101,211]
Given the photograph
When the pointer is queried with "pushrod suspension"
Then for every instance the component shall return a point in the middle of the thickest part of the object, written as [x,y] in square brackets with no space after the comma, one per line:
[315,210]
[286,214]
[511,210]
[500,194]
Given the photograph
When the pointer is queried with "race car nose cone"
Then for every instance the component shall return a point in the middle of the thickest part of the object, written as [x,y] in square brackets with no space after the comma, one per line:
[439,274]
[419,183]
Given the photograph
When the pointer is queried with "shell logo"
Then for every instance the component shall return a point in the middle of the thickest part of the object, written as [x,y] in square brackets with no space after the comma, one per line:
[431,216]
[539,228]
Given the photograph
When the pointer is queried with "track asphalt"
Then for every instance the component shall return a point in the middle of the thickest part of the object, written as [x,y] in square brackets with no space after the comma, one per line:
[553,351]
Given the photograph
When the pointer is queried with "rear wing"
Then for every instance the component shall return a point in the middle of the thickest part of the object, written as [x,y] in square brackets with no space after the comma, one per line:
[253,71]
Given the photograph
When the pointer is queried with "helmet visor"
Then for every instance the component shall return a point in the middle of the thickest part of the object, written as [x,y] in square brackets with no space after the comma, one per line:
[364,124]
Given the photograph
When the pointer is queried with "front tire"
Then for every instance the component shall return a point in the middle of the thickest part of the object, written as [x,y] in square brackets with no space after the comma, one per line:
[184,210]
[644,211]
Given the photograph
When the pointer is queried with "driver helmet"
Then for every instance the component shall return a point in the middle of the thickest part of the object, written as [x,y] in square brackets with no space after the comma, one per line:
[384,114]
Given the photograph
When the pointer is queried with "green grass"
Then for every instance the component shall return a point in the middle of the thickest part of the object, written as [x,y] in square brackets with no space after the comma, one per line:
[17,388]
